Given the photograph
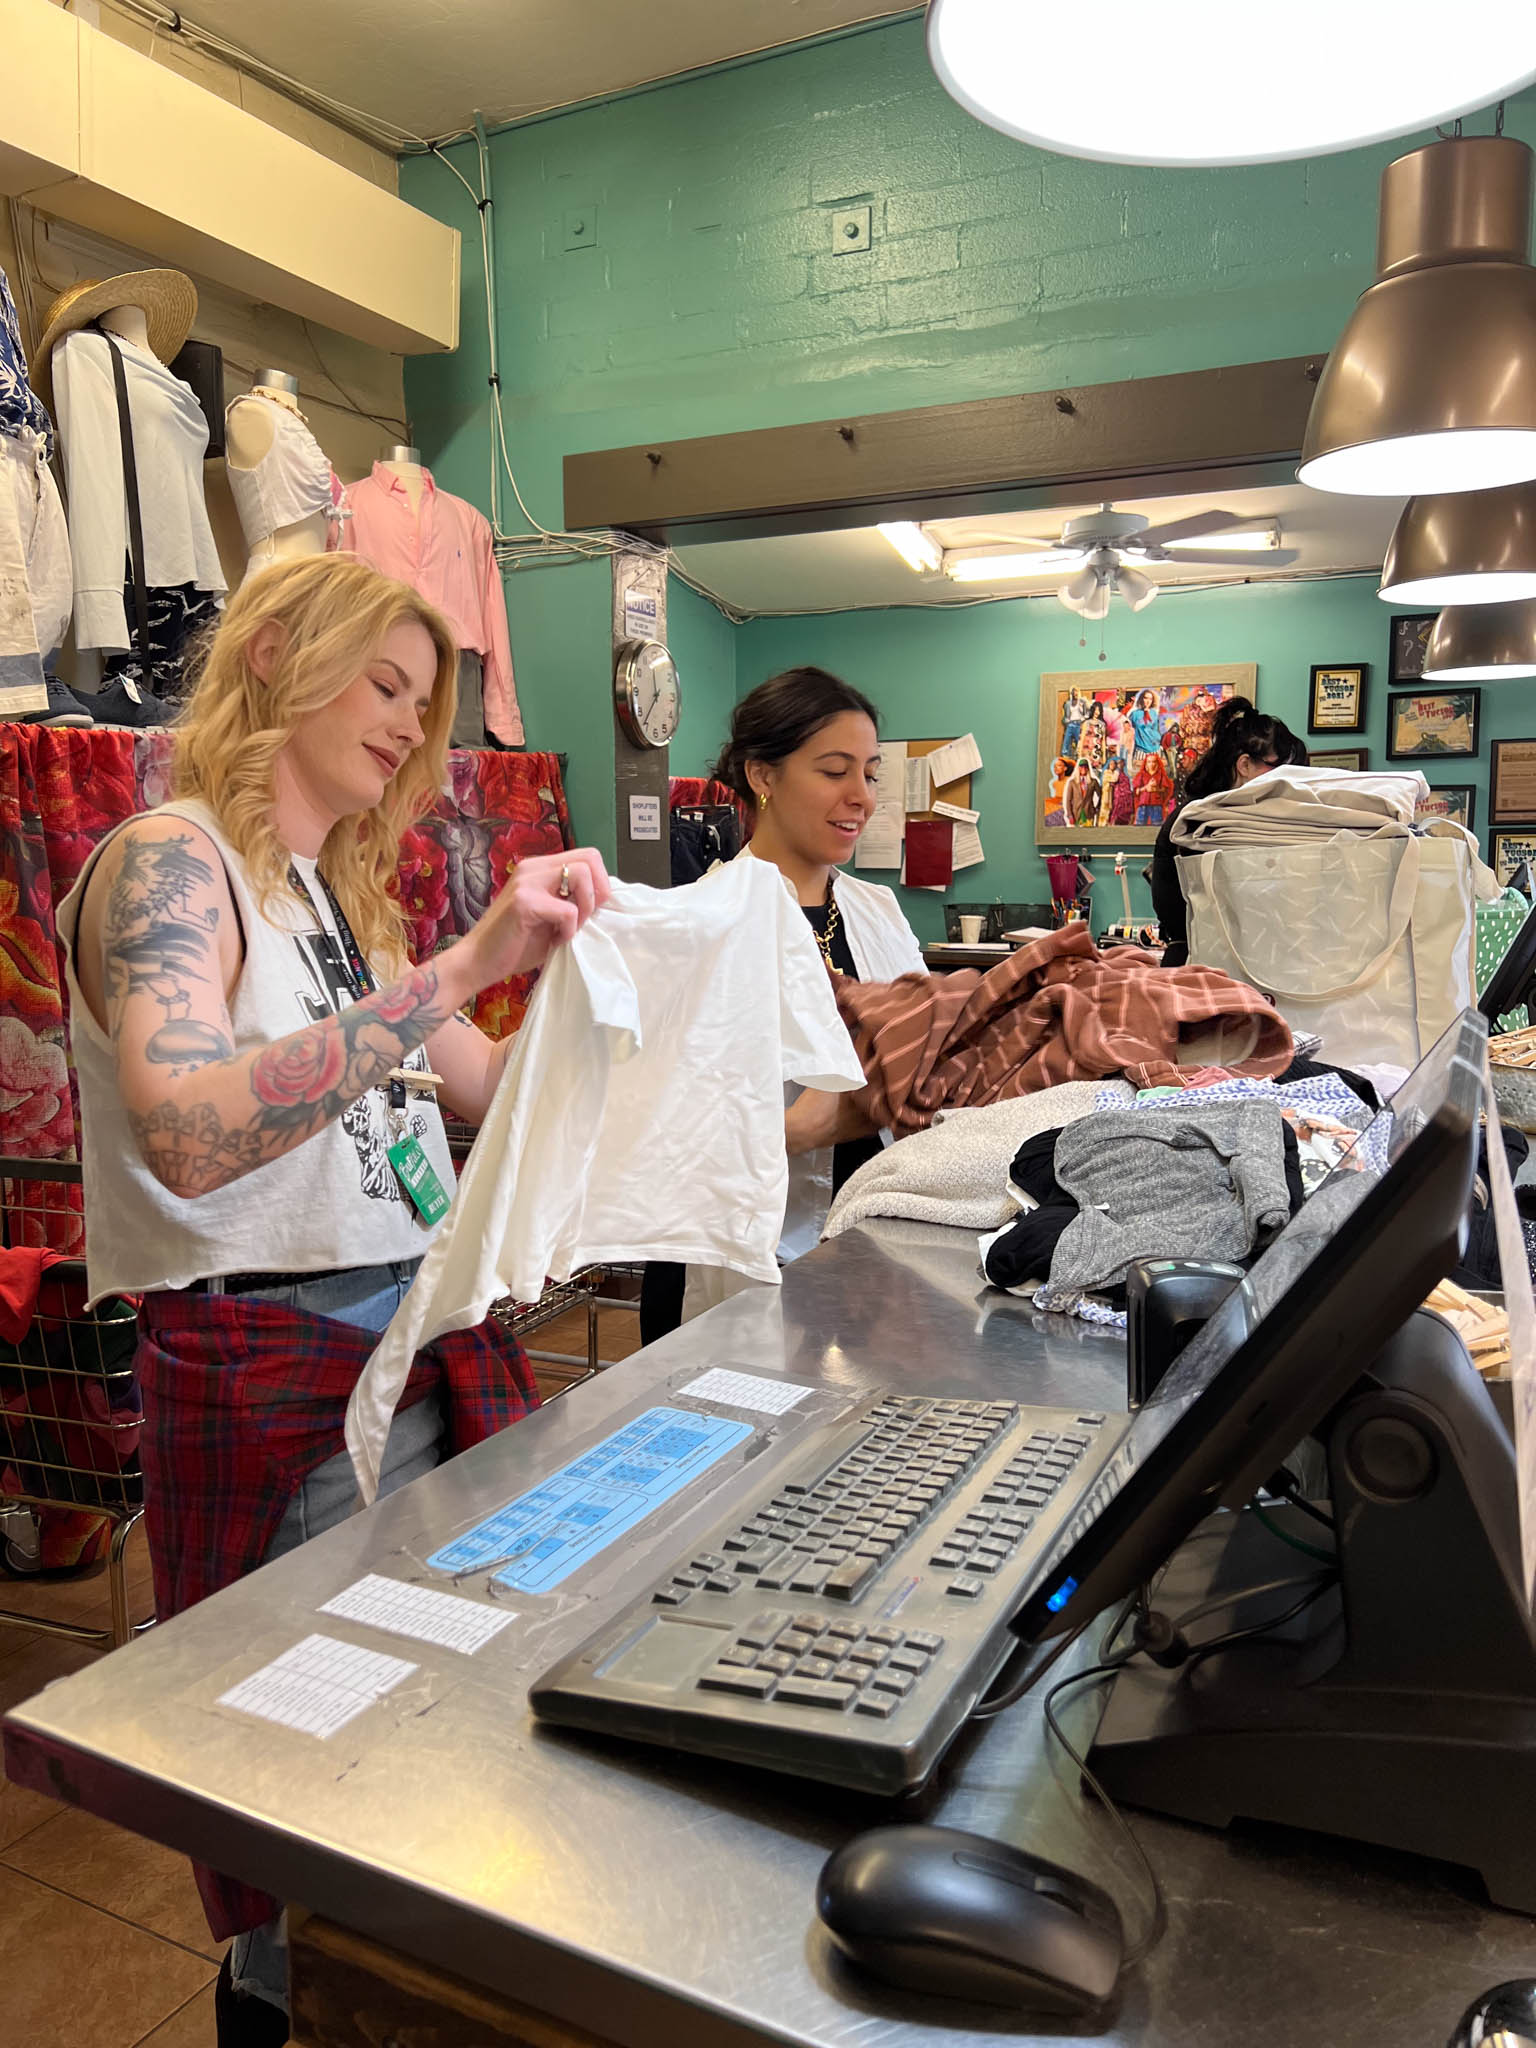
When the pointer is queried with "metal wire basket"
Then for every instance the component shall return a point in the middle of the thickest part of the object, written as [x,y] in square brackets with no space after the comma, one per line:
[70,1412]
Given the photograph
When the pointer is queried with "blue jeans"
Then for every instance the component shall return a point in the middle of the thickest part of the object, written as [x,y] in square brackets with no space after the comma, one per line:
[366,1297]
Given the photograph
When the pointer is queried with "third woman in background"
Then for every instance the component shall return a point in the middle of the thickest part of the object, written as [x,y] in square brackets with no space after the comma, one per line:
[1244,743]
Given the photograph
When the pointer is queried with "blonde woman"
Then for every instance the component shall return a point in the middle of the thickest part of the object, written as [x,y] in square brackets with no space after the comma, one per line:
[264,1156]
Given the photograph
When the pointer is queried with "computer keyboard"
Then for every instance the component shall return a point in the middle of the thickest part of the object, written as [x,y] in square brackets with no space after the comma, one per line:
[842,1623]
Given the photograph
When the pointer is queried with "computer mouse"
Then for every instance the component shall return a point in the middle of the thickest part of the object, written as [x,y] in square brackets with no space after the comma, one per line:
[936,1909]
[1504,2017]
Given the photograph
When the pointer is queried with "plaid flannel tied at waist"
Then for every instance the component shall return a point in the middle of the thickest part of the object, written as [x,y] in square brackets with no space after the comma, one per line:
[1058,1010]
[242,1400]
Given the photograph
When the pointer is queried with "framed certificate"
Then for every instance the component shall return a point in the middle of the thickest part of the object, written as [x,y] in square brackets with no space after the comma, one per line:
[1512,782]
[1456,801]
[1433,725]
[1355,759]
[1337,702]
[1508,853]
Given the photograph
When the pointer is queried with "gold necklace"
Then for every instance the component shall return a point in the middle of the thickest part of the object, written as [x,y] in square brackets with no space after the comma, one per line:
[825,937]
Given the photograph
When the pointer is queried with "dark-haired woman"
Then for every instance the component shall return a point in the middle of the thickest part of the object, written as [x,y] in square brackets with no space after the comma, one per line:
[804,751]
[1244,744]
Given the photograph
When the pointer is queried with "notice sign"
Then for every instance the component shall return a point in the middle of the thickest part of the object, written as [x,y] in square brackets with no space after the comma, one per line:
[645,817]
[640,614]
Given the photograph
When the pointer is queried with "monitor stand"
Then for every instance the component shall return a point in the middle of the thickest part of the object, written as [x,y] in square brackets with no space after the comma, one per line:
[1399,1709]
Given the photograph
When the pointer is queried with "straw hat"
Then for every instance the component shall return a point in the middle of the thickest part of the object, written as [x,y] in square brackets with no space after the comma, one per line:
[168,298]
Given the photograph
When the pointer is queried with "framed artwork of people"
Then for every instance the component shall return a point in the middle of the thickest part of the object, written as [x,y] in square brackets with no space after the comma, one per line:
[1116,747]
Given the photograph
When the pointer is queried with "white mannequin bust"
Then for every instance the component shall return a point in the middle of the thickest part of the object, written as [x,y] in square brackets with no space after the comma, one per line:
[249,430]
[128,323]
[404,462]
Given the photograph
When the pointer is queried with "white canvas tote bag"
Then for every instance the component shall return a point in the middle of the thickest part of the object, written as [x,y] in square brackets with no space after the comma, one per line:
[1364,937]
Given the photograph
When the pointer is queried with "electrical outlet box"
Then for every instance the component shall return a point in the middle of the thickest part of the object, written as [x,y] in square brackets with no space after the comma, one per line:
[581,227]
[850,230]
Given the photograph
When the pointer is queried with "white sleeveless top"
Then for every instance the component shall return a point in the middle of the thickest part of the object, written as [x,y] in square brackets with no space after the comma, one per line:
[291,481]
[333,1201]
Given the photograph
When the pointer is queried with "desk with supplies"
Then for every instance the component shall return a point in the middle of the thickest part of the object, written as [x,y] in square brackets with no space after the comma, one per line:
[506,1880]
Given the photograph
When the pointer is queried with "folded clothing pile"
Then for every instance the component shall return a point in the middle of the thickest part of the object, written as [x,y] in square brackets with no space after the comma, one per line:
[1057,1010]
[956,1171]
[1187,1180]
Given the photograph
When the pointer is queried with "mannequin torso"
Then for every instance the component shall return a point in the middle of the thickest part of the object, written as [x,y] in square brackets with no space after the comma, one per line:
[252,424]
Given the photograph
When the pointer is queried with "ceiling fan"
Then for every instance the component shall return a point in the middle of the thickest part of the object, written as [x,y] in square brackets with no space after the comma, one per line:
[1105,549]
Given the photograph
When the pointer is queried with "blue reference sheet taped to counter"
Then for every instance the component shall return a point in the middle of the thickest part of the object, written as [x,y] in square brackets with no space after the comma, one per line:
[544,1535]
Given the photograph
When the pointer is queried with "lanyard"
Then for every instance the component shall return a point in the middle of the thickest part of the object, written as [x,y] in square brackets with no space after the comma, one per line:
[359,974]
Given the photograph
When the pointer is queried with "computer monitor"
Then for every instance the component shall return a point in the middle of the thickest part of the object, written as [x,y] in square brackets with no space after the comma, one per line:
[1286,1344]
[1510,983]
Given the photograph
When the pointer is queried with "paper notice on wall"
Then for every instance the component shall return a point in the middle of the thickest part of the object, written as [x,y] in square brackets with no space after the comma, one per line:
[890,784]
[640,613]
[958,812]
[948,763]
[879,844]
[918,790]
[967,853]
[645,817]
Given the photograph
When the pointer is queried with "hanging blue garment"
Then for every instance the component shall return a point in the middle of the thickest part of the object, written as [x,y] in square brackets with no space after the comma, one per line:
[21,410]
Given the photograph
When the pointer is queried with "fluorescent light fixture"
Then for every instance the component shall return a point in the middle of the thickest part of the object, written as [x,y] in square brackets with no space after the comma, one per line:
[1464,548]
[996,565]
[1244,539]
[919,550]
[1217,86]
[1431,388]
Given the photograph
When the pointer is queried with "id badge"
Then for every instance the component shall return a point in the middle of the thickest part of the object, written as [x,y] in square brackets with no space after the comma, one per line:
[417,1175]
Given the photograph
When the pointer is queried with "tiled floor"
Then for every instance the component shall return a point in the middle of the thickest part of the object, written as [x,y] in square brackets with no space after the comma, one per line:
[104,1941]
[102,1935]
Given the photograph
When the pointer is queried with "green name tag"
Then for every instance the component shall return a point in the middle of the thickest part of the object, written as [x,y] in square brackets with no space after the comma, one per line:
[418,1177]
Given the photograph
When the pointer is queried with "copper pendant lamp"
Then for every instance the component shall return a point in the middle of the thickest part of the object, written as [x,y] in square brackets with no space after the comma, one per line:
[1482,643]
[1463,548]
[1431,388]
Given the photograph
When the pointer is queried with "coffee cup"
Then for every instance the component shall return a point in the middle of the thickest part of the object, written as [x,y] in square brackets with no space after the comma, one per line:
[970,930]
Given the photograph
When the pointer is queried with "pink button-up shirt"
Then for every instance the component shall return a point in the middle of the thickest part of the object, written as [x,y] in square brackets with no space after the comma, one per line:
[443,551]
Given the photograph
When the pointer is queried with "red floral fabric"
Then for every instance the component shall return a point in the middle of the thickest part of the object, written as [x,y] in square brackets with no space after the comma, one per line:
[687,792]
[62,789]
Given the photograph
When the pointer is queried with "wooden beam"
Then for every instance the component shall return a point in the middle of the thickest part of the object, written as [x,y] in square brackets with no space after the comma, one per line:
[866,466]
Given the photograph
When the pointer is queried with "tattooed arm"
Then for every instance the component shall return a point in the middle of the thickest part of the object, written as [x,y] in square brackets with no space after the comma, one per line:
[159,949]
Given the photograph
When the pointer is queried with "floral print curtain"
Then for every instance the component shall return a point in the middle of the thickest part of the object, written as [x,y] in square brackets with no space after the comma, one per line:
[63,789]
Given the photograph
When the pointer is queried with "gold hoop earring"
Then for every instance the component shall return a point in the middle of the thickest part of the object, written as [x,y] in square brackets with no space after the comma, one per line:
[762,800]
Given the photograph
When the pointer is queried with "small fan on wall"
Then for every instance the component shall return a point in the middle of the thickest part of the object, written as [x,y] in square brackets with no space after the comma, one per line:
[1107,550]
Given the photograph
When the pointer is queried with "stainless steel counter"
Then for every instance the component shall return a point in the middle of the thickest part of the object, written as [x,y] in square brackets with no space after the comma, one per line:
[666,1902]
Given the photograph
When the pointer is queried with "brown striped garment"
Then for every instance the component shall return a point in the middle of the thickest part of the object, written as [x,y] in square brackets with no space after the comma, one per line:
[1058,1010]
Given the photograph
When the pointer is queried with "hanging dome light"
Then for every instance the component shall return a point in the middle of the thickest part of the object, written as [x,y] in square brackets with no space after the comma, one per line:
[1201,84]
[1432,385]
[1482,643]
[1465,547]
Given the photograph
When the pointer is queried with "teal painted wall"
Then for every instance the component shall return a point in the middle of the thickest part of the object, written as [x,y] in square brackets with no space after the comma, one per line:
[703,645]
[712,300]
[940,673]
